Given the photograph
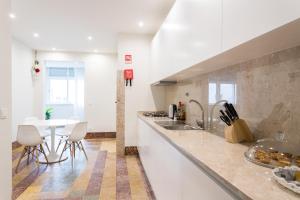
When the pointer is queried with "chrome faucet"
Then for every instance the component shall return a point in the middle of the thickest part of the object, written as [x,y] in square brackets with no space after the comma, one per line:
[199,123]
[212,112]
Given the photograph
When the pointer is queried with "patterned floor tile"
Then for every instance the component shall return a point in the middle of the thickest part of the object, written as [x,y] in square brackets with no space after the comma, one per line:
[103,176]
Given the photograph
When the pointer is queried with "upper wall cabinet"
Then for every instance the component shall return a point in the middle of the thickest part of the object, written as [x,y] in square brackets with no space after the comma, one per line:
[244,20]
[196,30]
[190,34]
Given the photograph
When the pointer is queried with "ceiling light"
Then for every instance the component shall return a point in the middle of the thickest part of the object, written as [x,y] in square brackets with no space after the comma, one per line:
[53,49]
[141,24]
[90,38]
[36,35]
[12,15]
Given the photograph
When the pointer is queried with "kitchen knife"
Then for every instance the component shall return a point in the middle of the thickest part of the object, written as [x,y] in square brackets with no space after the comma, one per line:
[233,111]
[226,121]
[229,111]
[229,115]
[222,112]
[225,118]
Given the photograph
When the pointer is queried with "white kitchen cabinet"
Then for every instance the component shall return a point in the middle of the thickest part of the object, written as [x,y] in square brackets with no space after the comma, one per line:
[161,163]
[196,184]
[244,20]
[190,34]
[196,30]
[171,174]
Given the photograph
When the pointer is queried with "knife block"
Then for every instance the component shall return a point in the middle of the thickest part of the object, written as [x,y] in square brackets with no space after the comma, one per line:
[237,132]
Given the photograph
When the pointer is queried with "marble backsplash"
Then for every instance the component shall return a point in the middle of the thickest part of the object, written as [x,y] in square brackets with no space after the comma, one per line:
[265,91]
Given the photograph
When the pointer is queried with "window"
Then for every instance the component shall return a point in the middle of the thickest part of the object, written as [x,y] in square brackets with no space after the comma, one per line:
[221,91]
[64,89]
[62,86]
[212,93]
[227,92]
[58,90]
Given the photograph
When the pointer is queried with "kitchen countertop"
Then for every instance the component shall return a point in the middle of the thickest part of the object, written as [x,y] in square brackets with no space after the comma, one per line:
[224,162]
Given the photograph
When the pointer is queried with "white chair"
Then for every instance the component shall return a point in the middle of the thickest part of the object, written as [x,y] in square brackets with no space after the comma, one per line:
[74,139]
[64,134]
[65,131]
[43,132]
[29,136]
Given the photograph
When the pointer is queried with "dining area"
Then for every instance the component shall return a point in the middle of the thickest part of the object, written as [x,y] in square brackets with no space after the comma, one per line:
[50,141]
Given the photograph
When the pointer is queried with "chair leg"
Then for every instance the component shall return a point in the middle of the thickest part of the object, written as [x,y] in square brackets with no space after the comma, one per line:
[32,153]
[83,149]
[28,154]
[64,149]
[74,148]
[72,153]
[37,156]
[78,146]
[58,145]
[22,155]
[47,146]
[43,152]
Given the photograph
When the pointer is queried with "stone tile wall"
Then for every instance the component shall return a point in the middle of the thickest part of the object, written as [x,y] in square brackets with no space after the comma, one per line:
[267,94]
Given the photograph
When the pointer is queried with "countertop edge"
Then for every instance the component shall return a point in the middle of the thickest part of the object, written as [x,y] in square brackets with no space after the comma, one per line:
[231,189]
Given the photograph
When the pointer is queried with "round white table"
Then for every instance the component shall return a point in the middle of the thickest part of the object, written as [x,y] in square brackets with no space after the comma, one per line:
[52,157]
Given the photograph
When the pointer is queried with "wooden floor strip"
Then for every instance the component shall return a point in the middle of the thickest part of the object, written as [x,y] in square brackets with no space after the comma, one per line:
[26,182]
[94,186]
[108,188]
[123,186]
[147,184]
[80,185]
[138,191]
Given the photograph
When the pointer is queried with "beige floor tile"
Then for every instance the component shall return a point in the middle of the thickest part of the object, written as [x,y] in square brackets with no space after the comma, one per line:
[137,187]
[108,187]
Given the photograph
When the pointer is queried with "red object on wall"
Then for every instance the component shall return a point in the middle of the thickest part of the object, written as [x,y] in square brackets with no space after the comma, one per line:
[128,59]
[37,70]
[128,76]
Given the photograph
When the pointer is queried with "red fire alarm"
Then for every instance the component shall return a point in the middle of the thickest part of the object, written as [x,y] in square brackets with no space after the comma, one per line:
[128,59]
[128,76]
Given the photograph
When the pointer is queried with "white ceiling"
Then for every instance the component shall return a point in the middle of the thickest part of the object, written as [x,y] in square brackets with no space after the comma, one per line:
[66,24]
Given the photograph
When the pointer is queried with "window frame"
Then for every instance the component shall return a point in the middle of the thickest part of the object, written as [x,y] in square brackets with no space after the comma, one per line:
[218,90]
[49,78]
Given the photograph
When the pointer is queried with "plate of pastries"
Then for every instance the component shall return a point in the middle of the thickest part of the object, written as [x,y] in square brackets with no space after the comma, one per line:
[272,153]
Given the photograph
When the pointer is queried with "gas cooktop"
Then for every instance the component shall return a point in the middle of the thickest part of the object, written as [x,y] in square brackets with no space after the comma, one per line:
[155,114]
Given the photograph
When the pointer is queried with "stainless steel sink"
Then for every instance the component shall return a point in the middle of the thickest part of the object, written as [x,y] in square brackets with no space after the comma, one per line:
[176,125]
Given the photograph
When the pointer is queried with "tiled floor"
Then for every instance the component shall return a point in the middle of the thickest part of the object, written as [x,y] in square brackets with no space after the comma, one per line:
[104,176]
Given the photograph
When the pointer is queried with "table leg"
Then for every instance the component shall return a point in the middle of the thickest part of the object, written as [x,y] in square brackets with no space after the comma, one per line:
[52,140]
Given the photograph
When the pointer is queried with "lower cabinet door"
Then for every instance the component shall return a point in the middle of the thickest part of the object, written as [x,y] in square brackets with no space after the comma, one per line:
[198,185]
[161,162]
[173,176]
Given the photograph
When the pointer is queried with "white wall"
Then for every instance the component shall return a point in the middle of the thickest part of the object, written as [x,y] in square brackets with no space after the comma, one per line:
[22,93]
[100,88]
[139,97]
[5,100]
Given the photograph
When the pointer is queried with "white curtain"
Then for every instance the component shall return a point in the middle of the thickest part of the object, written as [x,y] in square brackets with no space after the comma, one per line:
[72,73]
[79,93]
